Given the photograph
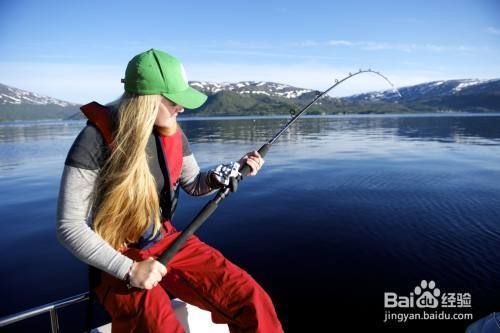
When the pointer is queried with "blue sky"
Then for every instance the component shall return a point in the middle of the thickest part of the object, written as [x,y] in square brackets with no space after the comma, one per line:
[78,50]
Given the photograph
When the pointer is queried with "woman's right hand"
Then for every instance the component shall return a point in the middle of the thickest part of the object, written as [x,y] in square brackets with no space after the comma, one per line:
[147,274]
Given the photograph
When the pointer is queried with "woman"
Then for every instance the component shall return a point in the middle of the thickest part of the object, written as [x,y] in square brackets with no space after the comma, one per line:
[118,194]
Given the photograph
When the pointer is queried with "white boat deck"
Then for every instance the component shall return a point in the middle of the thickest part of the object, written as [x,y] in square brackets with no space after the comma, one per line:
[194,320]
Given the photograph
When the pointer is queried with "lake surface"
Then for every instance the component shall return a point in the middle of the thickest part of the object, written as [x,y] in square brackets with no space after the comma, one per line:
[344,210]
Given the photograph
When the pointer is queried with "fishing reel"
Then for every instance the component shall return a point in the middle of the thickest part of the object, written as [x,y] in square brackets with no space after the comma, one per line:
[227,175]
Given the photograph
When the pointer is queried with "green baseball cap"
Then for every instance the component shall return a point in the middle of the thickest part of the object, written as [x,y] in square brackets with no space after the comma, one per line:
[156,72]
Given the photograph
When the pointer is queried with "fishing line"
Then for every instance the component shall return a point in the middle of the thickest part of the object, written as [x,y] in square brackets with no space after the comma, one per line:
[211,206]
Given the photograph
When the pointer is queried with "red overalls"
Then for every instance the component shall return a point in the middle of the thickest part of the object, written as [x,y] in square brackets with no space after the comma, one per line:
[198,274]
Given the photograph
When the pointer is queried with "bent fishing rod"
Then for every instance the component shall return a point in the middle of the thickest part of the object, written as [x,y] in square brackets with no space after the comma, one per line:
[244,170]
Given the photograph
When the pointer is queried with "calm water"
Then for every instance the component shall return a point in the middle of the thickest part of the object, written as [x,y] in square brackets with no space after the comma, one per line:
[345,209]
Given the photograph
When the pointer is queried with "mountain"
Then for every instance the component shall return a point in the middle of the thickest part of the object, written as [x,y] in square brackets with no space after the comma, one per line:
[17,104]
[10,95]
[258,98]
[457,95]
[432,90]
[250,97]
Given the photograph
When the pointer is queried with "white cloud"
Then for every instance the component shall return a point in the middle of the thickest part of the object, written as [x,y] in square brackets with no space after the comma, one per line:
[283,49]
[305,43]
[251,45]
[339,42]
[380,46]
[493,31]
[266,54]
[410,47]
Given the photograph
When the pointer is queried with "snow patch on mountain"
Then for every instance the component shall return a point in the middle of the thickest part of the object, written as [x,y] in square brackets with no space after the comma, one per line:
[467,83]
[10,95]
[251,87]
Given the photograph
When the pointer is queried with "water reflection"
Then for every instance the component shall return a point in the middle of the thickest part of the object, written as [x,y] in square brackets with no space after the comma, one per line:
[473,129]
[35,131]
[349,135]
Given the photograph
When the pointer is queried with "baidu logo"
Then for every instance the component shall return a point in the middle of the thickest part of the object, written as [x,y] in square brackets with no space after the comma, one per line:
[427,295]
[426,302]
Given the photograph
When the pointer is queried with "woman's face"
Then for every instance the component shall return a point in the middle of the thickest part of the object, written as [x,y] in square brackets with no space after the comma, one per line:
[167,114]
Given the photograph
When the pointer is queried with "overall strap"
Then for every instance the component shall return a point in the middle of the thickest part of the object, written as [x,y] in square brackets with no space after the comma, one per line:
[100,116]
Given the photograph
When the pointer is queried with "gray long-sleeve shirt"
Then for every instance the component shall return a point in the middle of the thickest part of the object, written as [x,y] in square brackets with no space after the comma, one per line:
[81,169]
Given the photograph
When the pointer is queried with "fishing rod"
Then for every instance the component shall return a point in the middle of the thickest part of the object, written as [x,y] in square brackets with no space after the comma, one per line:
[244,170]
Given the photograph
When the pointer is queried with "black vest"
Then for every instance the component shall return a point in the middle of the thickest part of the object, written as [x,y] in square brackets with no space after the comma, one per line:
[100,117]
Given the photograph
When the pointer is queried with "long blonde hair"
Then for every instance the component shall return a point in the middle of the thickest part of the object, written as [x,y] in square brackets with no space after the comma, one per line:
[125,197]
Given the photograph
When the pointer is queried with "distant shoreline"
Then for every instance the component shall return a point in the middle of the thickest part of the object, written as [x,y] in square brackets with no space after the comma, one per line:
[306,116]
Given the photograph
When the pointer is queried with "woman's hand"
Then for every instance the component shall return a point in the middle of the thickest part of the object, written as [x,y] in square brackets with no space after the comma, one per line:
[254,161]
[147,274]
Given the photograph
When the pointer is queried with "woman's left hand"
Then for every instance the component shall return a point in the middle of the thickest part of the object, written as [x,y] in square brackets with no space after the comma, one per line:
[254,161]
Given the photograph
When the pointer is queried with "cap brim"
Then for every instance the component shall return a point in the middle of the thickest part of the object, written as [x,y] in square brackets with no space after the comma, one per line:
[189,98]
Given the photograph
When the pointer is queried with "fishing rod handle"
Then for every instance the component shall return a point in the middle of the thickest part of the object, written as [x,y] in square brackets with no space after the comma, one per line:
[245,169]
[203,215]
